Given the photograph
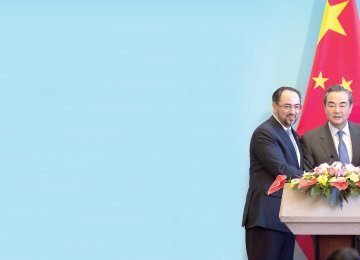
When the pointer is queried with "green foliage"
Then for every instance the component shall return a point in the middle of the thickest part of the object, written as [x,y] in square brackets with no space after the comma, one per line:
[315,190]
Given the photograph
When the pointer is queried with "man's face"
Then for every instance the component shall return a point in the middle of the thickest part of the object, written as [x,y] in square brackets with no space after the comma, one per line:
[287,110]
[338,108]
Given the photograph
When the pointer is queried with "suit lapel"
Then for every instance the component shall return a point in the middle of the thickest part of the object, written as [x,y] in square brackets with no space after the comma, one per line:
[327,143]
[285,137]
[298,142]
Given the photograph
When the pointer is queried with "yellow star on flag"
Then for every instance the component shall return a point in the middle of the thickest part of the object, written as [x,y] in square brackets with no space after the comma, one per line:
[346,84]
[330,20]
[320,81]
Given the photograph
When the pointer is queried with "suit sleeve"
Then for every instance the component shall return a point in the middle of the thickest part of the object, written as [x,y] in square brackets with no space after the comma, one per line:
[273,154]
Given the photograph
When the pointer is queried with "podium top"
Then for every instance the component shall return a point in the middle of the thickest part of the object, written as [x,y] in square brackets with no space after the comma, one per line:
[305,214]
[298,206]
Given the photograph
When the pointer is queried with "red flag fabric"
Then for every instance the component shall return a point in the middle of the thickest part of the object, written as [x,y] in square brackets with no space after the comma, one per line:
[336,61]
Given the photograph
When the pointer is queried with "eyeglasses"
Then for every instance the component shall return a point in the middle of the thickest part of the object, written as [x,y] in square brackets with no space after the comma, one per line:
[288,107]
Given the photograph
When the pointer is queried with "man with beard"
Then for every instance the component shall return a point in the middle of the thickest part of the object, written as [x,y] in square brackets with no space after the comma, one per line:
[275,149]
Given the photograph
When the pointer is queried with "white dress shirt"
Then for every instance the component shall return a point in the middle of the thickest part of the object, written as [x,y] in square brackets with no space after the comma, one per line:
[346,138]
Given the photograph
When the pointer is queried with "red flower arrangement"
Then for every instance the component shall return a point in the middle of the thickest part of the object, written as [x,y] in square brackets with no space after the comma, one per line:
[335,182]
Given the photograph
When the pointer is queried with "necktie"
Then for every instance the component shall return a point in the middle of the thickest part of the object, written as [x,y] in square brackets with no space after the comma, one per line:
[343,153]
[288,131]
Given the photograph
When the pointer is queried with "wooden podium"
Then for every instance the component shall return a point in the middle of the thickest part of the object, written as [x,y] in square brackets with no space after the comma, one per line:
[332,227]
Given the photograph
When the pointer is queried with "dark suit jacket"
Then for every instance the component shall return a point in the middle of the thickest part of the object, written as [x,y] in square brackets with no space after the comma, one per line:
[319,146]
[271,154]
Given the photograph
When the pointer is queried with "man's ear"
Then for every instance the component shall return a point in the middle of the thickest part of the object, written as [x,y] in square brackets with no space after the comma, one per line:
[274,105]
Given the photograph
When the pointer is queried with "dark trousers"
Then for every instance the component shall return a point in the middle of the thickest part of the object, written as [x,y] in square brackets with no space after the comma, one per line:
[266,244]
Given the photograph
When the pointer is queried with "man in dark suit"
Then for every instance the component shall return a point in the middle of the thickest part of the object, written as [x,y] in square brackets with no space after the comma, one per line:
[275,149]
[321,145]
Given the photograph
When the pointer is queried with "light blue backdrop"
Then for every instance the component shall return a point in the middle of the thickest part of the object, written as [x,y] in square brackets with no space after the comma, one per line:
[125,125]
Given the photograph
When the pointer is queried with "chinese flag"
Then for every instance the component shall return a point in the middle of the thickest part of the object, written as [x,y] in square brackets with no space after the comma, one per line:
[336,61]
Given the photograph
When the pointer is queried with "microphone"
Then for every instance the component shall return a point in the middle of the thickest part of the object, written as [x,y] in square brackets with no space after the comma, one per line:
[332,157]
